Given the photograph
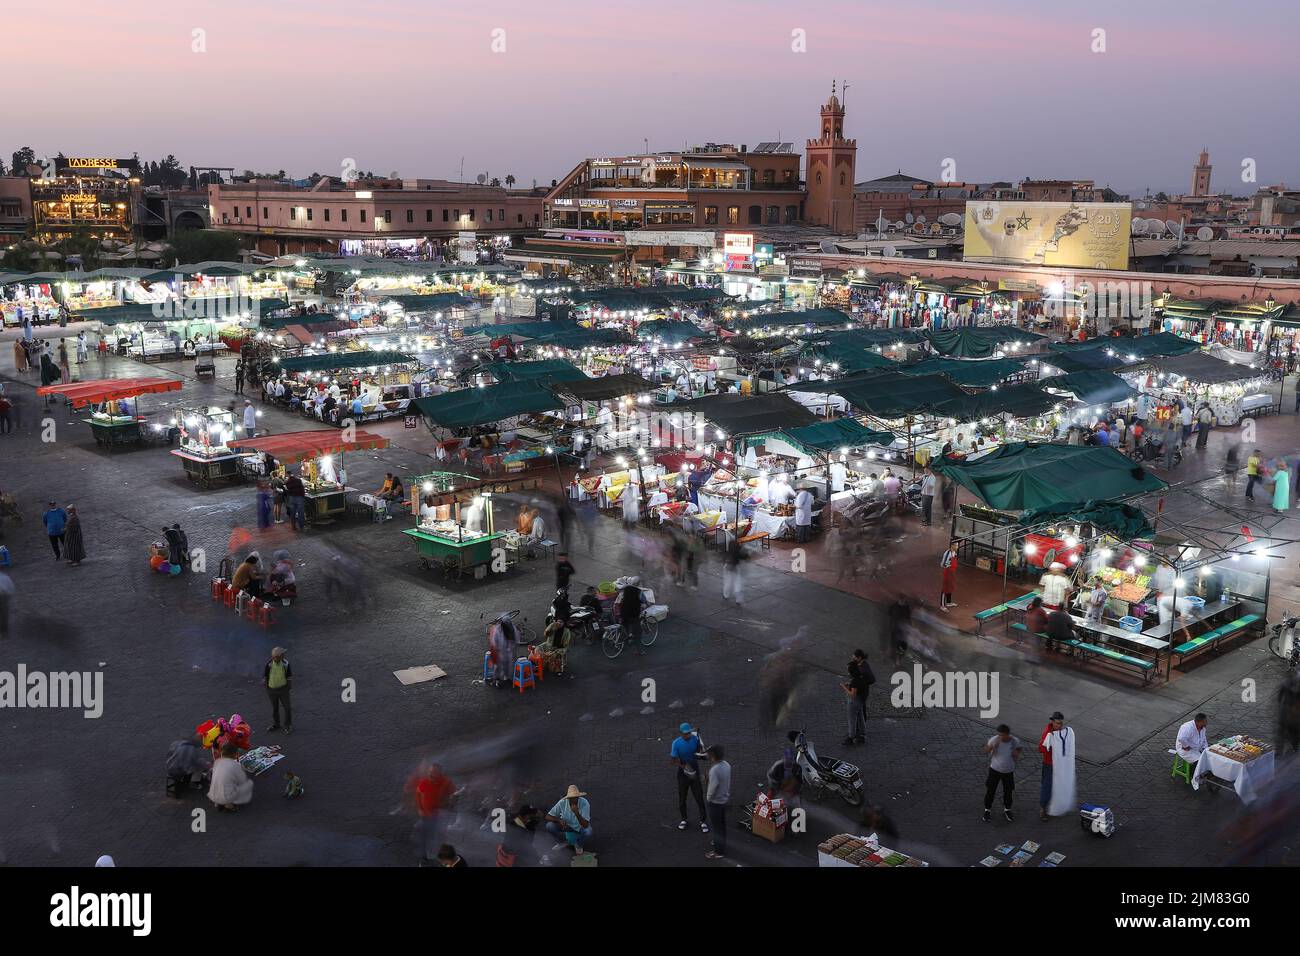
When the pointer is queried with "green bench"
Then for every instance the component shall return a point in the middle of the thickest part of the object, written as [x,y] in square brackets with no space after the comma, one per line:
[1210,639]
[1105,655]
[1018,604]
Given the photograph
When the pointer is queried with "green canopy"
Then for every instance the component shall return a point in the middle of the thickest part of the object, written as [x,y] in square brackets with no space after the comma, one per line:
[623,298]
[979,342]
[330,361]
[829,436]
[1027,476]
[888,394]
[432,302]
[1024,400]
[868,338]
[979,373]
[1122,520]
[846,357]
[781,320]
[686,294]
[1091,387]
[525,330]
[487,403]
[574,337]
[668,330]
[547,370]
[1137,346]
[1088,360]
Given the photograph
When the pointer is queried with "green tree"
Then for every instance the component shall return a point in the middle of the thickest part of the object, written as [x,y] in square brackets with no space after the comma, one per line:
[201,245]
[22,158]
[510,180]
[495,182]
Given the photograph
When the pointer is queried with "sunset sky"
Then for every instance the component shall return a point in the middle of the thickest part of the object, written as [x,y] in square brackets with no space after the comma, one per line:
[1007,89]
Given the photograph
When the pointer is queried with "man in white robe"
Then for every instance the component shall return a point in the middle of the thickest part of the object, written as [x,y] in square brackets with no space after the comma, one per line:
[1191,740]
[1058,746]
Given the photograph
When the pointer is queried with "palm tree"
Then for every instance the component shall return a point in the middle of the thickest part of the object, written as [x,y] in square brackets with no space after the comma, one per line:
[510,181]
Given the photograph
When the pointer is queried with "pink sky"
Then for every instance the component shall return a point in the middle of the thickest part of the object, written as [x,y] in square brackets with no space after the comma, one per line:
[1007,89]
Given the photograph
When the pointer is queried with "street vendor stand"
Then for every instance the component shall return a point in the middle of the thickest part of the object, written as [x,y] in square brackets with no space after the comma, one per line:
[324,478]
[455,528]
[110,423]
[203,451]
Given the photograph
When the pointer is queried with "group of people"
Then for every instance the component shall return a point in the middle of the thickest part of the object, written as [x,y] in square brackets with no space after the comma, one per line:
[277,583]
[1058,748]
[63,526]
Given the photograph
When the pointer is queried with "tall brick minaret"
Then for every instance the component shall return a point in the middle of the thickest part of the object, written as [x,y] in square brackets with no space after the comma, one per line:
[1201,175]
[829,166]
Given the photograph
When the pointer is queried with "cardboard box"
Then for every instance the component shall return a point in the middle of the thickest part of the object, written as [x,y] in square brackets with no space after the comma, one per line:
[772,832]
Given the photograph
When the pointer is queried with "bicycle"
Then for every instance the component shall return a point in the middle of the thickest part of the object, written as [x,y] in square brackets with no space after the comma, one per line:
[614,637]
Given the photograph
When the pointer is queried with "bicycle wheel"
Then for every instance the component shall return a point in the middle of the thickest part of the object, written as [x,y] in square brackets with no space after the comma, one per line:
[612,641]
[526,634]
[649,632]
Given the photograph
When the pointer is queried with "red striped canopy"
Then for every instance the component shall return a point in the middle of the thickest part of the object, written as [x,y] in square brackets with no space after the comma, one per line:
[81,394]
[292,447]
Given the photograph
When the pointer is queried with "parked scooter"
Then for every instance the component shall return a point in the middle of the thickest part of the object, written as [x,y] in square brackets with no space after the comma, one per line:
[584,622]
[1152,449]
[1284,641]
[834,775]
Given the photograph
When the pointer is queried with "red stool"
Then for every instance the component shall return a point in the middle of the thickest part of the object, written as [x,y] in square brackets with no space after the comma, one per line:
[535,658]
[218,588]
[250,608]
[265,614]
[228,597]
[524,674]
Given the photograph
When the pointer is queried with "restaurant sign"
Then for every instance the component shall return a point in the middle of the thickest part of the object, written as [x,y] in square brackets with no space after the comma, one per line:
[88,162]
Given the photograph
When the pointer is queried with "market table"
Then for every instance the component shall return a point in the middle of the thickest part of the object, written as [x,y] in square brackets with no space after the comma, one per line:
[443,551]
[1118,633]
[1246,776]
[207,470]
[323,504]
[118,430]
[1210,611]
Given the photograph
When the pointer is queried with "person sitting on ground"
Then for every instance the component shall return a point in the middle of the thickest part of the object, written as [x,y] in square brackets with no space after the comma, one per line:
[281,583]
[188,761]
[248,576]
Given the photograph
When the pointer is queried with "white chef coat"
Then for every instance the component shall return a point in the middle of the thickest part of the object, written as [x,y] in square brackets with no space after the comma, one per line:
[803,507]
[1191,742]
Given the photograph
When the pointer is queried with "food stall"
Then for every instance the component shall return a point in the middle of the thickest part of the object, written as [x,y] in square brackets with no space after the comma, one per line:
[203,451]
[454,525]
[320,454]
[1232,390]
[115,419]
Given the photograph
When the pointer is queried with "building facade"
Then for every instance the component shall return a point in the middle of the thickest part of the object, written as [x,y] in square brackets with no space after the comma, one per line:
[282,218]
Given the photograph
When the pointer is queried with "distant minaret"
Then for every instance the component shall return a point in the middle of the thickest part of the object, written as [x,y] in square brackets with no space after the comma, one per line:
[829,164]
[1201,175]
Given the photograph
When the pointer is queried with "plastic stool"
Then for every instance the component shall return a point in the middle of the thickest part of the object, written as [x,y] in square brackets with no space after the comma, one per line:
[228,598]
[219,586]
[1181,769]
[250,608]
[524,674]
[265,613]
[487,666]
[535,658]
[5,559]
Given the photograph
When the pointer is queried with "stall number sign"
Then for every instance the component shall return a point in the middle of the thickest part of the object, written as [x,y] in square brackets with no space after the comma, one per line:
[410,421]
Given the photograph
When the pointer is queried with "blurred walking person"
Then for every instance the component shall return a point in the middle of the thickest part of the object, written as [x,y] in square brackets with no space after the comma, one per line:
[74,548]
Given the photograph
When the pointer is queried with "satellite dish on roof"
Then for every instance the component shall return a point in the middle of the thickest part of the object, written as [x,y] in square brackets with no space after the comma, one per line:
[889,251]
[1154,227]
[950,219]
[1138,227]
[1175,228]
[1205,234]
[920,219]
[828,246]
[481,178]
[909,219]
[900,224]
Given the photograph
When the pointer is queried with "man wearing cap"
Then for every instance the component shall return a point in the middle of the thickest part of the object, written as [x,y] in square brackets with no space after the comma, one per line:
[276,677]
[250,419]
[1056,587]
[570,818]
[685,754]
[1055,723]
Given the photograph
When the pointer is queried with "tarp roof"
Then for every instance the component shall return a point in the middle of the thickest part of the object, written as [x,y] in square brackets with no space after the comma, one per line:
[1091,387]
[1023,400]
[623,299]
[525,330]
[607,386]
[291,447]
[574,337]
[670,330]
[356,358]
[689,294]
[1206,369]
[1087,360]
[81,394]
[307,318]
[832,435]
[781,320]
[546,370]
[433,301]
[748,414]
[1138,346]
[869,338]
[1026,476]
[979,342]
[488,403]
[971,373]
[1120,519]
[889,394]
[847,356]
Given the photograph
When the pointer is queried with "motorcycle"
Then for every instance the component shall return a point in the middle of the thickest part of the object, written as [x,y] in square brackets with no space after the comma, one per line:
[1283,643]
[834,775]
[584,622]
[1152,449]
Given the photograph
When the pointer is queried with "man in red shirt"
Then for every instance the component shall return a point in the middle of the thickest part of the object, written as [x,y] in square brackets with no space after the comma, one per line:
[430,789]
[1045,788]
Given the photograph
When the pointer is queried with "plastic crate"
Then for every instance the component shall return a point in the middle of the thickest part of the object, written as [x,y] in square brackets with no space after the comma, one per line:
[1195,602]
[1133,624]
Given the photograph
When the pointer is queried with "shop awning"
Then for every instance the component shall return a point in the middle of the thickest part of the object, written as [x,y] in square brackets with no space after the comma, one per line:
[488,403]
[748,414]
[973,373]
[81,394]
[307,318]
[889,394]
[979,342]
[1024,400]
[292,447]
[1206,369]
[605,387]
[546,370]
[810,318]
[330,361]
[1091,387]
[830,436]
[668,330]
[1026,476]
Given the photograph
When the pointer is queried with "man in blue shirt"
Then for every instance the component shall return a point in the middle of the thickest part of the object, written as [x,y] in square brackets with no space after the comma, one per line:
[570,818]
[56,520]
[685,755]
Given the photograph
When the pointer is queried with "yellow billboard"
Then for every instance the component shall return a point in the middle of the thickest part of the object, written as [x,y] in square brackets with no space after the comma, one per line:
[1085,235]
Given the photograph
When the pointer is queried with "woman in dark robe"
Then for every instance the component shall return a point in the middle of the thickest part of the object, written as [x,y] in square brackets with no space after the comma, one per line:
[74,548]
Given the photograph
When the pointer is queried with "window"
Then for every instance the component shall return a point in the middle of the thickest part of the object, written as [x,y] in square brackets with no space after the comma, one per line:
[791,215]
[788,177]
[471,215]
[842,179]
[388,215]
[265,213]
[309,212]
[456,213]
[710,215]
[521,217]
[410,215]
[733,215]
[445,215]
[773,215]
[489,215]
[343,215]
[363,215]
[755,215]
[819,178]
[293,212]
[501,215]
[327,213]
[769,177]
[428,215]
[248,212]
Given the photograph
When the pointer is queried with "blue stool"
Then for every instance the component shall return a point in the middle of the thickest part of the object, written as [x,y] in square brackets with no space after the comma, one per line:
[524,674]
[487,666]
[5,560]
